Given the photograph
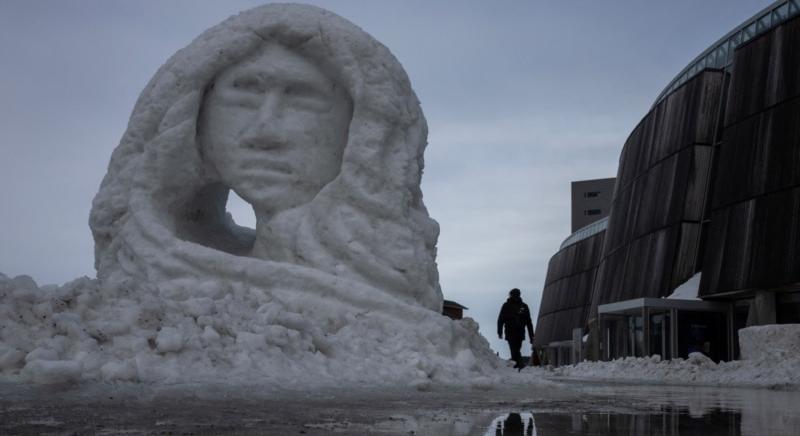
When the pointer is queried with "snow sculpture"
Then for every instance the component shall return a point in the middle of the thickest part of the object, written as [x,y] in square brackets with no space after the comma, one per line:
[315,124]
[311,121]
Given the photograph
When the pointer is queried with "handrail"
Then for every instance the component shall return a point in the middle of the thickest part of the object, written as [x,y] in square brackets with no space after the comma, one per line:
[585,232]
[720,54]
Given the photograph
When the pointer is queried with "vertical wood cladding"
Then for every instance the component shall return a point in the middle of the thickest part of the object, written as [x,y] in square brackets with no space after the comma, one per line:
[652,238]
[753,238]
[567,290]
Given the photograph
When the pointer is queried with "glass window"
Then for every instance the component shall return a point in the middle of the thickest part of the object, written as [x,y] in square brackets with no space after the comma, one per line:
[734,42]
[764,22]
[737,38]
[635,336]
[722,55]
[748,32]
[660,335]
[793,7]
[708,61]
[780,13]
[731,47]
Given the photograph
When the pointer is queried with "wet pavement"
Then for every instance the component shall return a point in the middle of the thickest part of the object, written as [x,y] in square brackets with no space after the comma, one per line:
[535,409]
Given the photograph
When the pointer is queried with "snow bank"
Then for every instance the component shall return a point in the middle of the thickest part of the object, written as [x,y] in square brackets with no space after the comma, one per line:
[87,330]
[771,359]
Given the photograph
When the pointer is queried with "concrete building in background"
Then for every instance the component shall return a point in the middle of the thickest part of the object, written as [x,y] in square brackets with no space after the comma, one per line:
[703,233]
[590,201]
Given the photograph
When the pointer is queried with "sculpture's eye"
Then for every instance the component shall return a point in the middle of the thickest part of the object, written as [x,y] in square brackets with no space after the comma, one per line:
[248,83]
[307,97]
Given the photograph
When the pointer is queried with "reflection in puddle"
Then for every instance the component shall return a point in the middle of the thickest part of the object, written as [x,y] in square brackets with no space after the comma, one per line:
[564,409]
[668,422]
[513,424]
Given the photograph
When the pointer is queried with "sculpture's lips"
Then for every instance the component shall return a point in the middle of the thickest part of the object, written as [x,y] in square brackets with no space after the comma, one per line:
[267,176]
[266,173]
[259,166]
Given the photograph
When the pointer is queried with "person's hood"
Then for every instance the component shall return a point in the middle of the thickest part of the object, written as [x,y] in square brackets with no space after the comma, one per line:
[515,299]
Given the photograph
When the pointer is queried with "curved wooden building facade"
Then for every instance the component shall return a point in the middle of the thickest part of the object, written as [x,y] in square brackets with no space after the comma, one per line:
[567,290]
[708,182]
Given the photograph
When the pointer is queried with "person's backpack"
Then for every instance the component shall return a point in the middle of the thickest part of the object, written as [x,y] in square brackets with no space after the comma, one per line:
[518,320]
[523,316]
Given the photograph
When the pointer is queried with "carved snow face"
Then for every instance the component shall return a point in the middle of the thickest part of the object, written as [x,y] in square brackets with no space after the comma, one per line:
[274,126]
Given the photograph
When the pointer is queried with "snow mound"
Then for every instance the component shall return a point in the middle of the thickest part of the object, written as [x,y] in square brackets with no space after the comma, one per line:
[771,358]
[87,330]
[315,124]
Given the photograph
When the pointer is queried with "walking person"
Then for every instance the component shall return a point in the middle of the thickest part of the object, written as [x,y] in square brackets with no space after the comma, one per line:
[515,317]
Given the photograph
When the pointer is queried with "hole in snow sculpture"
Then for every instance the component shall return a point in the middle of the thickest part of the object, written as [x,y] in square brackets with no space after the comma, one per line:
[314,124]
[241,212]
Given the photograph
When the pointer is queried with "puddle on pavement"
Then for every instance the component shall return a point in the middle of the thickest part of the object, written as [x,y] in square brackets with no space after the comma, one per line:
[563,409]
[667,422]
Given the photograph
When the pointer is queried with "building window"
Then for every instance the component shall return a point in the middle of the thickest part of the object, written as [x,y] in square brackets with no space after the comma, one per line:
[591,194]
[592,212]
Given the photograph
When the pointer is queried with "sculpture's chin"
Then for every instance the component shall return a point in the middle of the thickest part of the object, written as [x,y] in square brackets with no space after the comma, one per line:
[269,198]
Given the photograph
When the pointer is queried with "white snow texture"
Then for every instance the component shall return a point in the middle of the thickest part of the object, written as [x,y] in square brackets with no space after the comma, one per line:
[688,290]
[315,124]
[770,358]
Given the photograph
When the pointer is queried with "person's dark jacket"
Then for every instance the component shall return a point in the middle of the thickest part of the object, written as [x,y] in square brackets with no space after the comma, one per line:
[515,317]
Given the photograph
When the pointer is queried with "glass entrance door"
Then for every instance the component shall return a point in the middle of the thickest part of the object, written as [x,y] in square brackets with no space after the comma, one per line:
[659,335]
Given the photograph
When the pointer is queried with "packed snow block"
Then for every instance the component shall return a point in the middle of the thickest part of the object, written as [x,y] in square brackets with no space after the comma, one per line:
[566,297]
[312,122]
[777,342]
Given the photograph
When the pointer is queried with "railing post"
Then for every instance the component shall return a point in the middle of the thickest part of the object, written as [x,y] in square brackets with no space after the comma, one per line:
[645,331]
[673,333]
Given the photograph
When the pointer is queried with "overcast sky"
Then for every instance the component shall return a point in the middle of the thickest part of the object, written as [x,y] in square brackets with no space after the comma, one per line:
[521,98]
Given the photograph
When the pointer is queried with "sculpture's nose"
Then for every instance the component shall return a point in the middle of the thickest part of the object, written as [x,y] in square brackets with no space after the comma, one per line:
[264,129]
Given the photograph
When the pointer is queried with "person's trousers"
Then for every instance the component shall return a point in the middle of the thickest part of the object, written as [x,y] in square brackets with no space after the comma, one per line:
[514,345]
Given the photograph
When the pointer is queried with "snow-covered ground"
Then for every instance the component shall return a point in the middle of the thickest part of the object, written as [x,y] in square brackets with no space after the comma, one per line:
[771,359]
[75,333]
[696,370]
